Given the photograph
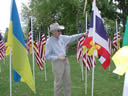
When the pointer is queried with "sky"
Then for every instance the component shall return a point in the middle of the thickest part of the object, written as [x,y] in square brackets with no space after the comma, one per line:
[5,8]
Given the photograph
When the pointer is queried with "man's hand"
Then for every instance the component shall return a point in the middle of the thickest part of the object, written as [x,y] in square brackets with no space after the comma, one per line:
[61,57]
[85,33]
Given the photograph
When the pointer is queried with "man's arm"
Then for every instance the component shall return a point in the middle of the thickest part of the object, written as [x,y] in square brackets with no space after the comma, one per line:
[69,39]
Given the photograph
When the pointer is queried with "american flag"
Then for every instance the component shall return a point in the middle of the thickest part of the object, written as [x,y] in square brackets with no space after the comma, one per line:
[116,41]
[37,55]
[2,49]
[36,49]
[29,38]
[79,48]
[79,44]
[88,60]
[28,45]
[42,46]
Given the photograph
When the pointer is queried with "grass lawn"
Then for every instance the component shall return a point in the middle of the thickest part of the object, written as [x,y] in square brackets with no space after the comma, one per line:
[105,83]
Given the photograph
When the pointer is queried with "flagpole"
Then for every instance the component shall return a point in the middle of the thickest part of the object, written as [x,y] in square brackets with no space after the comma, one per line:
[82,69]
[39,36]
[45,71]
[86,18]
[33,53]
[94,24]
[0,67]
[10,71]
[109,48]
[93,76]
[117,39]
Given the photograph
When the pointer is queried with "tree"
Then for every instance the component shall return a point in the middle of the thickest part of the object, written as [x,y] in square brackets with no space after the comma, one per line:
[66,12]
[122,6]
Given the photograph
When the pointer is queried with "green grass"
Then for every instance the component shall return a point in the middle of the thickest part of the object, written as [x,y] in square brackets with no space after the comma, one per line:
[105,83]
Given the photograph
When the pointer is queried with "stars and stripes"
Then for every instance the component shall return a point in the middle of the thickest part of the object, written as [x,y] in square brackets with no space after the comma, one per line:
[79,48]
[37,55]
[42,45]
[116,41]
[2,49]
[88,61]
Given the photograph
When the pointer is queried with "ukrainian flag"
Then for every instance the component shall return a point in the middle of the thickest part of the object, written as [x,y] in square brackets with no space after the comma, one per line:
[20,61]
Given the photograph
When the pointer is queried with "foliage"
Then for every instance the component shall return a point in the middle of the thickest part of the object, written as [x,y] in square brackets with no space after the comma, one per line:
[122,7]
[66,12]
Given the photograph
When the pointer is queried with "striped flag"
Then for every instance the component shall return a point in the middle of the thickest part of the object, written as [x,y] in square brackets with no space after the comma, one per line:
[28,45]
[29,38]
[79,44]
[87,60]
[2,49]
[37,55]
[79,48]
[35,48]
[116,40]
[42,46]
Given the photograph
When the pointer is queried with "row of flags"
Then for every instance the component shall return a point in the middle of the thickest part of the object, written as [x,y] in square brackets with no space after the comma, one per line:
[39,48]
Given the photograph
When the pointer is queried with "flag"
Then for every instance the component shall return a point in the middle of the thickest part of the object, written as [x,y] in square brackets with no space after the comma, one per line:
[120,59]
[79,44]
[42,45]
[39,50]
[21,67]
[125,89]
[2,49]
[97,40]
[79,48]
[29,43]
[116,39]
[125,39]
[37,55]
[87,60]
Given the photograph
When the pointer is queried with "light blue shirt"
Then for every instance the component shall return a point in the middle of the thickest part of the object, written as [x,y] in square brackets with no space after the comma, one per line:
[57,46]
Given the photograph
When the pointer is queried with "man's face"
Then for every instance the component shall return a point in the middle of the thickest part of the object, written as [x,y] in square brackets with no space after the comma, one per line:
[56,33]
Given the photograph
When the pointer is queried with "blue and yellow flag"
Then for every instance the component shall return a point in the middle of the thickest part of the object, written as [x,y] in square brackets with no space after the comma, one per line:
[20,61]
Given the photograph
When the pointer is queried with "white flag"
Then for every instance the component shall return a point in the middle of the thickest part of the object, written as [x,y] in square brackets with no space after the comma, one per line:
[125,90]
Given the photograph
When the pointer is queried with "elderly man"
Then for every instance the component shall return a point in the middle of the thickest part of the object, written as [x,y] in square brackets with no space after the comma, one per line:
[56,52]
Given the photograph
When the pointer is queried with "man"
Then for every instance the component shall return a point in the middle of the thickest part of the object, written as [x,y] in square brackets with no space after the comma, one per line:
[56,52]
